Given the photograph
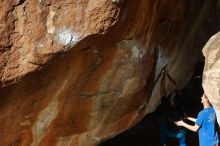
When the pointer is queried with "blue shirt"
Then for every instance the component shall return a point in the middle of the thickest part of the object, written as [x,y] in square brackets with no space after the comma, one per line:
[207,133]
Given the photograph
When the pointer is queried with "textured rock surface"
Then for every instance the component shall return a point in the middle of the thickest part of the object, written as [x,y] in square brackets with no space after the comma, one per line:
[211,74]
[75,72]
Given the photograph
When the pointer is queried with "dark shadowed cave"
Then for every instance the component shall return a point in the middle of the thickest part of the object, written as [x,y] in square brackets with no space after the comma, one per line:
[146,133]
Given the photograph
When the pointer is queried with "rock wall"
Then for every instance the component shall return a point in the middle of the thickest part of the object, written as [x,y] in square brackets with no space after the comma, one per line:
[211,74]
[76,72]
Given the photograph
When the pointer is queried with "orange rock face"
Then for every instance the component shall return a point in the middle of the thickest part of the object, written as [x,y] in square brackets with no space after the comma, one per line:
[75,72]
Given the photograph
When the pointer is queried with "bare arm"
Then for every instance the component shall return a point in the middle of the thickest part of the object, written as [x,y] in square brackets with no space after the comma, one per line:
[190,127]
[191,119]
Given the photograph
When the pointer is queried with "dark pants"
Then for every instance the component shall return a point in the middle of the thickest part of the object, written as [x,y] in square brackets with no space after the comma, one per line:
[165,133]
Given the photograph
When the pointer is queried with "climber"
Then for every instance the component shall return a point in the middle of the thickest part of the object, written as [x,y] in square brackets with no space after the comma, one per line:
[169,111]
[205,124]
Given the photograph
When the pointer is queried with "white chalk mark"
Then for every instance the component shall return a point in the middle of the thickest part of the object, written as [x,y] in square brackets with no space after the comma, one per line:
[137,52]
[66,36]
[116,1]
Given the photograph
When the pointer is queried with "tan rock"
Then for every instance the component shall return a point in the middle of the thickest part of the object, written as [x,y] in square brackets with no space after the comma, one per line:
[211,73]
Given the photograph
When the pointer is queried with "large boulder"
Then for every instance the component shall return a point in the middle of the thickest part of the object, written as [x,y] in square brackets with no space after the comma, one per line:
[211,73]
[76,72]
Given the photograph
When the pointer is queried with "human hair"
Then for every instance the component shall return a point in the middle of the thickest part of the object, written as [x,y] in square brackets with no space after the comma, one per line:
[205,95]
[175,98]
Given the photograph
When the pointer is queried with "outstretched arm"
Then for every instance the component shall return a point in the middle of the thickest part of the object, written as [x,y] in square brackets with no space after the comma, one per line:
[191,119]
[190,127]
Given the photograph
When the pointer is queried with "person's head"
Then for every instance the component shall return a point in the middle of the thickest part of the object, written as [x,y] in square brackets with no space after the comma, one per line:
[175,98]
[205,100]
